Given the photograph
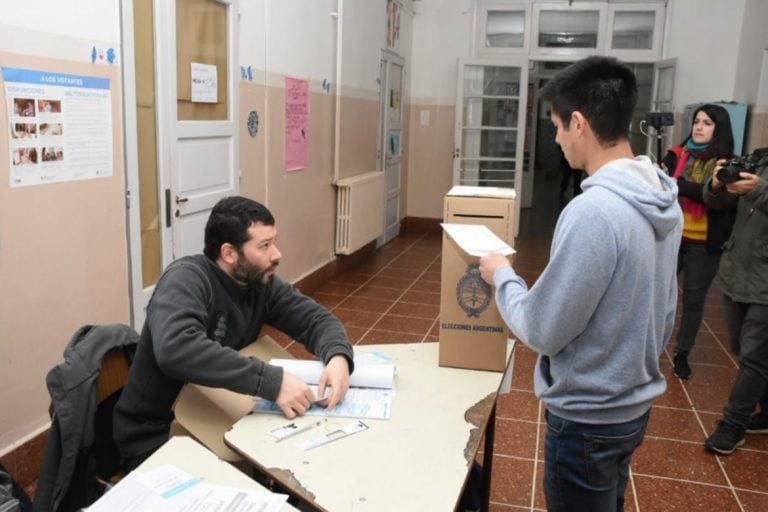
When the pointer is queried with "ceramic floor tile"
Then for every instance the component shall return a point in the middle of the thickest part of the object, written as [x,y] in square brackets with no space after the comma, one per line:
[675,395]
[426,286]
[366,304]
[390,282]
[752,501]
[357,278]
[376,336]
[355,334]
[512,481]
[402,273]
[709,388]
[515,438]
[430,275]
[396,323]
[421,297]
[377,292]
[747,469]
[520,405]
[327,300]
[675,424]
[429,311]
[337,288]
[540,499]
[711,356]
[356,318]
[677,460]
[664,495]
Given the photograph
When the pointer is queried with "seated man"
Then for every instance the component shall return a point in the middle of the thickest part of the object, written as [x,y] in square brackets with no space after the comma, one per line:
[207,307]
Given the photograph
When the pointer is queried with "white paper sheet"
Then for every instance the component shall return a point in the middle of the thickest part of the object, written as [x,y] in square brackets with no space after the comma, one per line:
[169,489]
[477,240]
[380,376]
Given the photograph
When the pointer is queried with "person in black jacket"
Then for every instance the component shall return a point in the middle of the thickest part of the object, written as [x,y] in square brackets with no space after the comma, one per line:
[704,230]
[207,307]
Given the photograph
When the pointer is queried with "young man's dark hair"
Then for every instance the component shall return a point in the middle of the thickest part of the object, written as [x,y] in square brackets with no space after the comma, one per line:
[229,222]
[602,89]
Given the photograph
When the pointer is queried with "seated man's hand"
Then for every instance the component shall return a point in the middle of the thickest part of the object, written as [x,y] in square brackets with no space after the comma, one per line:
[295,396]
[336,376]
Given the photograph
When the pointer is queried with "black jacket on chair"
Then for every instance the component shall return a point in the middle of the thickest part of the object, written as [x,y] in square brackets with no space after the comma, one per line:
[76,446]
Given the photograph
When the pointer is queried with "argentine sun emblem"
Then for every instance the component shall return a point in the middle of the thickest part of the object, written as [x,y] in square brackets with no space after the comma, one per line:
[472,293]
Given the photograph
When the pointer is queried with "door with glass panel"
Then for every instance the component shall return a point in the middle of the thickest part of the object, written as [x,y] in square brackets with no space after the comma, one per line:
[181,144]
[661,99]
[490,124]
[390,144]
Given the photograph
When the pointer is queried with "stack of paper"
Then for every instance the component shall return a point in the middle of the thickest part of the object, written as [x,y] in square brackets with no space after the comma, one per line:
[371,388]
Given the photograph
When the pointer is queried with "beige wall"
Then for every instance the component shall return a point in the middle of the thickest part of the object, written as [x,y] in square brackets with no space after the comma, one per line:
[63,264]
[430,159]
[358,129]
[301,201]
[757,131]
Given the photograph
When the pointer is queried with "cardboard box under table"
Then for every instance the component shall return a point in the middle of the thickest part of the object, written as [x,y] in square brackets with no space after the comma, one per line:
[472,332]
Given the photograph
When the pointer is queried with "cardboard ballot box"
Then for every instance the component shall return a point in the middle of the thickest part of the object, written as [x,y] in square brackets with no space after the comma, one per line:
[472,332]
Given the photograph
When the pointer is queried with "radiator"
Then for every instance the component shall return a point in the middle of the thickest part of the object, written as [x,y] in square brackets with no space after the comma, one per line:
[359,211]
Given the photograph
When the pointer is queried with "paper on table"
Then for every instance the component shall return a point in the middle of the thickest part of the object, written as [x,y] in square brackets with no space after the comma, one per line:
[169,489]
[477,240]
[365,376]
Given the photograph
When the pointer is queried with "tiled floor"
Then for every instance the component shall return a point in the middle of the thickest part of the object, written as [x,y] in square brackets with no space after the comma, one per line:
[394,298]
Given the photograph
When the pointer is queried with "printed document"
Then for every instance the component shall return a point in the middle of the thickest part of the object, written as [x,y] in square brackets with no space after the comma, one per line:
[370,392]
[169,489]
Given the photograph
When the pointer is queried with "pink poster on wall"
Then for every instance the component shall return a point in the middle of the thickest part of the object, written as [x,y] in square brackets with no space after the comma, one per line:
[296,124]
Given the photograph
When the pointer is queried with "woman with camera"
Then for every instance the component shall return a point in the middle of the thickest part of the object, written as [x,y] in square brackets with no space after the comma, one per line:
[704,230]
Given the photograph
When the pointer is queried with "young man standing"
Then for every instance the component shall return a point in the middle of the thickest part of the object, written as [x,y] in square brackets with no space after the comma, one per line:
[603,309]
[207,307]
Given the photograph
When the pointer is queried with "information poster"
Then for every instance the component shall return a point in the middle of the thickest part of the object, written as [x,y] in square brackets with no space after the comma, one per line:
[296,124]
[60,126]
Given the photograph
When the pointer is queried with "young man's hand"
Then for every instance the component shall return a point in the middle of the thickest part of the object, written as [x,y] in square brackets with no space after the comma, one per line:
[490,263]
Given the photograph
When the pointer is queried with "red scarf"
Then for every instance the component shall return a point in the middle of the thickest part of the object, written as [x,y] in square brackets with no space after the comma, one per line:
[693,208]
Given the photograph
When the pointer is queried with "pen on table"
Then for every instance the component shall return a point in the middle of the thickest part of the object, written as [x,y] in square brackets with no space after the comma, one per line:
[303,429]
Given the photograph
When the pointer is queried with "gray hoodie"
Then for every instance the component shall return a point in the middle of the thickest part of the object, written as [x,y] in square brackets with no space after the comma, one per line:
[604,307]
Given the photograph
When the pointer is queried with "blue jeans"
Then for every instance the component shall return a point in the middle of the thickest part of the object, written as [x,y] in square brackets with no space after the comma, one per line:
[586,467]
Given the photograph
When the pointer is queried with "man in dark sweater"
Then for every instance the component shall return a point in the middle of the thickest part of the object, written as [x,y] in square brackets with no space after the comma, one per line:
[207,307]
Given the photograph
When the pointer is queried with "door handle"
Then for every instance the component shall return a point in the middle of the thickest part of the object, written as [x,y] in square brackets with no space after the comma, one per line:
[180,200]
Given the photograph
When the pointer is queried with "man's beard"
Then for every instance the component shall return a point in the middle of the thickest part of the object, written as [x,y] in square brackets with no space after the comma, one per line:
[248,273]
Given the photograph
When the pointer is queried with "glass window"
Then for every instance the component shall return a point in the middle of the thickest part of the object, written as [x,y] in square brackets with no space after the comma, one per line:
[568,29]
[633,30]
[505,29]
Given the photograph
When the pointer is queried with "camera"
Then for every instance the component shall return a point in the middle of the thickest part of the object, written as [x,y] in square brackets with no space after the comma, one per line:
[659,119]
[747,163]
